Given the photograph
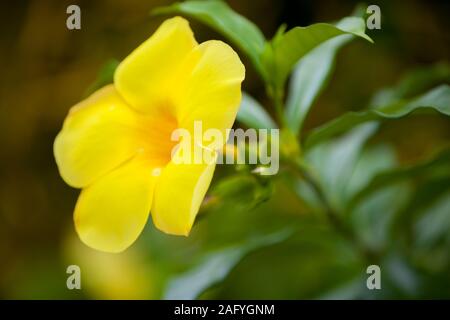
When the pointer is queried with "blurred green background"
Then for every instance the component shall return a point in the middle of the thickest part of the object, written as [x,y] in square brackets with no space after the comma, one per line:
[46,69]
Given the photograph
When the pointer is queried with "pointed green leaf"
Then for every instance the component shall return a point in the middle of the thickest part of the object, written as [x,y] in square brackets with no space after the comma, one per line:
[312,73]
[438,165]
[437,99]
[373,160]
[334,161]
[308,79]
[281,55]
[414,83]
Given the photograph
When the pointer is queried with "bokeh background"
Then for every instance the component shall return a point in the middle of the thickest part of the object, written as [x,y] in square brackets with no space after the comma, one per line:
[47,68]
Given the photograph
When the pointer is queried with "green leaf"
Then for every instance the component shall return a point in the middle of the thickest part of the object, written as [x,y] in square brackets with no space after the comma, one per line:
[438,165]
[437,99]
[373,218]
[334,161]
[215,267]
[315,259]
[312,73]
[281,55]
[104,77]
[428,222]
[352,289]
[280,31]
[252,114]
[373,160]
[435,223]
[414,83]
[219,16]
[402,275]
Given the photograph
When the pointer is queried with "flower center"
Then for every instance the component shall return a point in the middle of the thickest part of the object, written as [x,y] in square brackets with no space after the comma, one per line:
[155,134]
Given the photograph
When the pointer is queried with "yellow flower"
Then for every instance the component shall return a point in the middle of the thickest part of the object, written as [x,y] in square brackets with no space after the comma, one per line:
[116,145]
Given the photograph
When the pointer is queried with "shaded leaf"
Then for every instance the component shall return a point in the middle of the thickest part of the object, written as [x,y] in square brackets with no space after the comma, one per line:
[215,267]
[373,218]
[285,51]
[253,115]
[350,290]
[373,160]
[315,259]
[334,161]
[437,165]
[401,275]
[435,223]
[437,99]
[414,83]
[312,73]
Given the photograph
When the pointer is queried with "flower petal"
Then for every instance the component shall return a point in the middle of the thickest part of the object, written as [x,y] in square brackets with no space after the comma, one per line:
[111,213]
[147,76]
[97,136]
[211,90]
[178,195]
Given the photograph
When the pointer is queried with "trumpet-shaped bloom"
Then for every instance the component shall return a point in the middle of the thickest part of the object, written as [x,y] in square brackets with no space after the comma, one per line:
[116,145]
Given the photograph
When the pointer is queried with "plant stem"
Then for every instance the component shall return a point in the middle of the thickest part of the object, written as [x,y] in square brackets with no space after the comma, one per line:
[333,217]
[279,110]
[369,255]
[277,98]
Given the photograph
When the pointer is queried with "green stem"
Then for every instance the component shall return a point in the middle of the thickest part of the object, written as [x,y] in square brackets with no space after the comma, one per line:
[277,98]
[332,216]
[279,110]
